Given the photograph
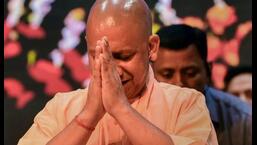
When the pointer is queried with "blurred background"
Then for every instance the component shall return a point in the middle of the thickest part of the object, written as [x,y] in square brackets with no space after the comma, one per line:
[45,51]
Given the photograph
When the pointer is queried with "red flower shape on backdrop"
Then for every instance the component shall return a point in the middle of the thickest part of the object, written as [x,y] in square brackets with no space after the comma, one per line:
[79,71]
[231,52]
[31,32]
[7,30]
[218,73]
[45,72]
[214,47]
[220,17]
[243,29]
[12,49]
[194,22]
[15,89]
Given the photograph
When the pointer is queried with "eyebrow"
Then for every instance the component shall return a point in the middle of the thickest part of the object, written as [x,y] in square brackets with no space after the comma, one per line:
[191,67]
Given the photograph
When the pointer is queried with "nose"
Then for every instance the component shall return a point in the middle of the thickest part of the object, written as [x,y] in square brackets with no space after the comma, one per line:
[177,80]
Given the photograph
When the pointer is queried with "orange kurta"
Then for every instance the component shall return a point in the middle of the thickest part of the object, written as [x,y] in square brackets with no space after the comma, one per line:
[180,112]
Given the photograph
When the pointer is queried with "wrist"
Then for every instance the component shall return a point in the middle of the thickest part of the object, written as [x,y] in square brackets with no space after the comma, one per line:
[119,109]
[88,118]
[84,125]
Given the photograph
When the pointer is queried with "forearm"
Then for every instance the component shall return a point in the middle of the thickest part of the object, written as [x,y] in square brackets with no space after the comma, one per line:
[74,133]
[139,130]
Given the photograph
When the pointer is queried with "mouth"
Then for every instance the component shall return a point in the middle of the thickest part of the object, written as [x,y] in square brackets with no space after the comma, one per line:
[124,82]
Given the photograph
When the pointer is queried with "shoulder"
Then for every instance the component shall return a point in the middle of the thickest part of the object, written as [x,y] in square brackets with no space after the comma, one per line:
[71,96]
[68,101]
[182,92]
[185,97]
[230,102]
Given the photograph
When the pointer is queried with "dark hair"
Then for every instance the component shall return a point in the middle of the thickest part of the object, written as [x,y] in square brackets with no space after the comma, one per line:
[180,36]
[234,71]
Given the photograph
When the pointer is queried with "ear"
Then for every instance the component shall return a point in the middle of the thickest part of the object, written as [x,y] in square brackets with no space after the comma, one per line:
[154,42]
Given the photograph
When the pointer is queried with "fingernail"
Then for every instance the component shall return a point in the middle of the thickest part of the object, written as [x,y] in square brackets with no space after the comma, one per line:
[105,38]
[105,41]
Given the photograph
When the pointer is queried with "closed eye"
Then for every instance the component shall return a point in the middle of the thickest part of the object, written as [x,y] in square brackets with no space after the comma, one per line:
[167,74]
[190,72]
[123,57]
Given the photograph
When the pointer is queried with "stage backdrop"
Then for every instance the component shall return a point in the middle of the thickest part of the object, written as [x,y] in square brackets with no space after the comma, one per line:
[45,51]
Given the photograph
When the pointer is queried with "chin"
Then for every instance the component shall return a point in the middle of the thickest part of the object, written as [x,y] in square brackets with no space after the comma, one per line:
[131,93]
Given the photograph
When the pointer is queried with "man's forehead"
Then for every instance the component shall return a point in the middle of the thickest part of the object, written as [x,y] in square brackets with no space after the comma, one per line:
[243,78]
[190,54]
[111,31]
[182,66]
[179,59]
[117,37]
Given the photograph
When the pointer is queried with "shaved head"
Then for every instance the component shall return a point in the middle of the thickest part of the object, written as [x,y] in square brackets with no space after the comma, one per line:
[106,14]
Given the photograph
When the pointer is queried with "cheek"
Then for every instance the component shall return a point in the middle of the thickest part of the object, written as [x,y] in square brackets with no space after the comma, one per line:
[139,75]
[192,83]
[202,81]
[197,84]
[137,70]
[163,79]
[137,67]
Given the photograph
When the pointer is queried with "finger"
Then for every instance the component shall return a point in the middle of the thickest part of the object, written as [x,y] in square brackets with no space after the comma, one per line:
[97,51]
[106,42]
[93,57]
[108,68]
[104,68]
[106,49]
[97,66]
[110,76]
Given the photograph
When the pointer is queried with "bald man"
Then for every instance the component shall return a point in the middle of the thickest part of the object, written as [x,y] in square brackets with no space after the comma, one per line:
[124,104]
